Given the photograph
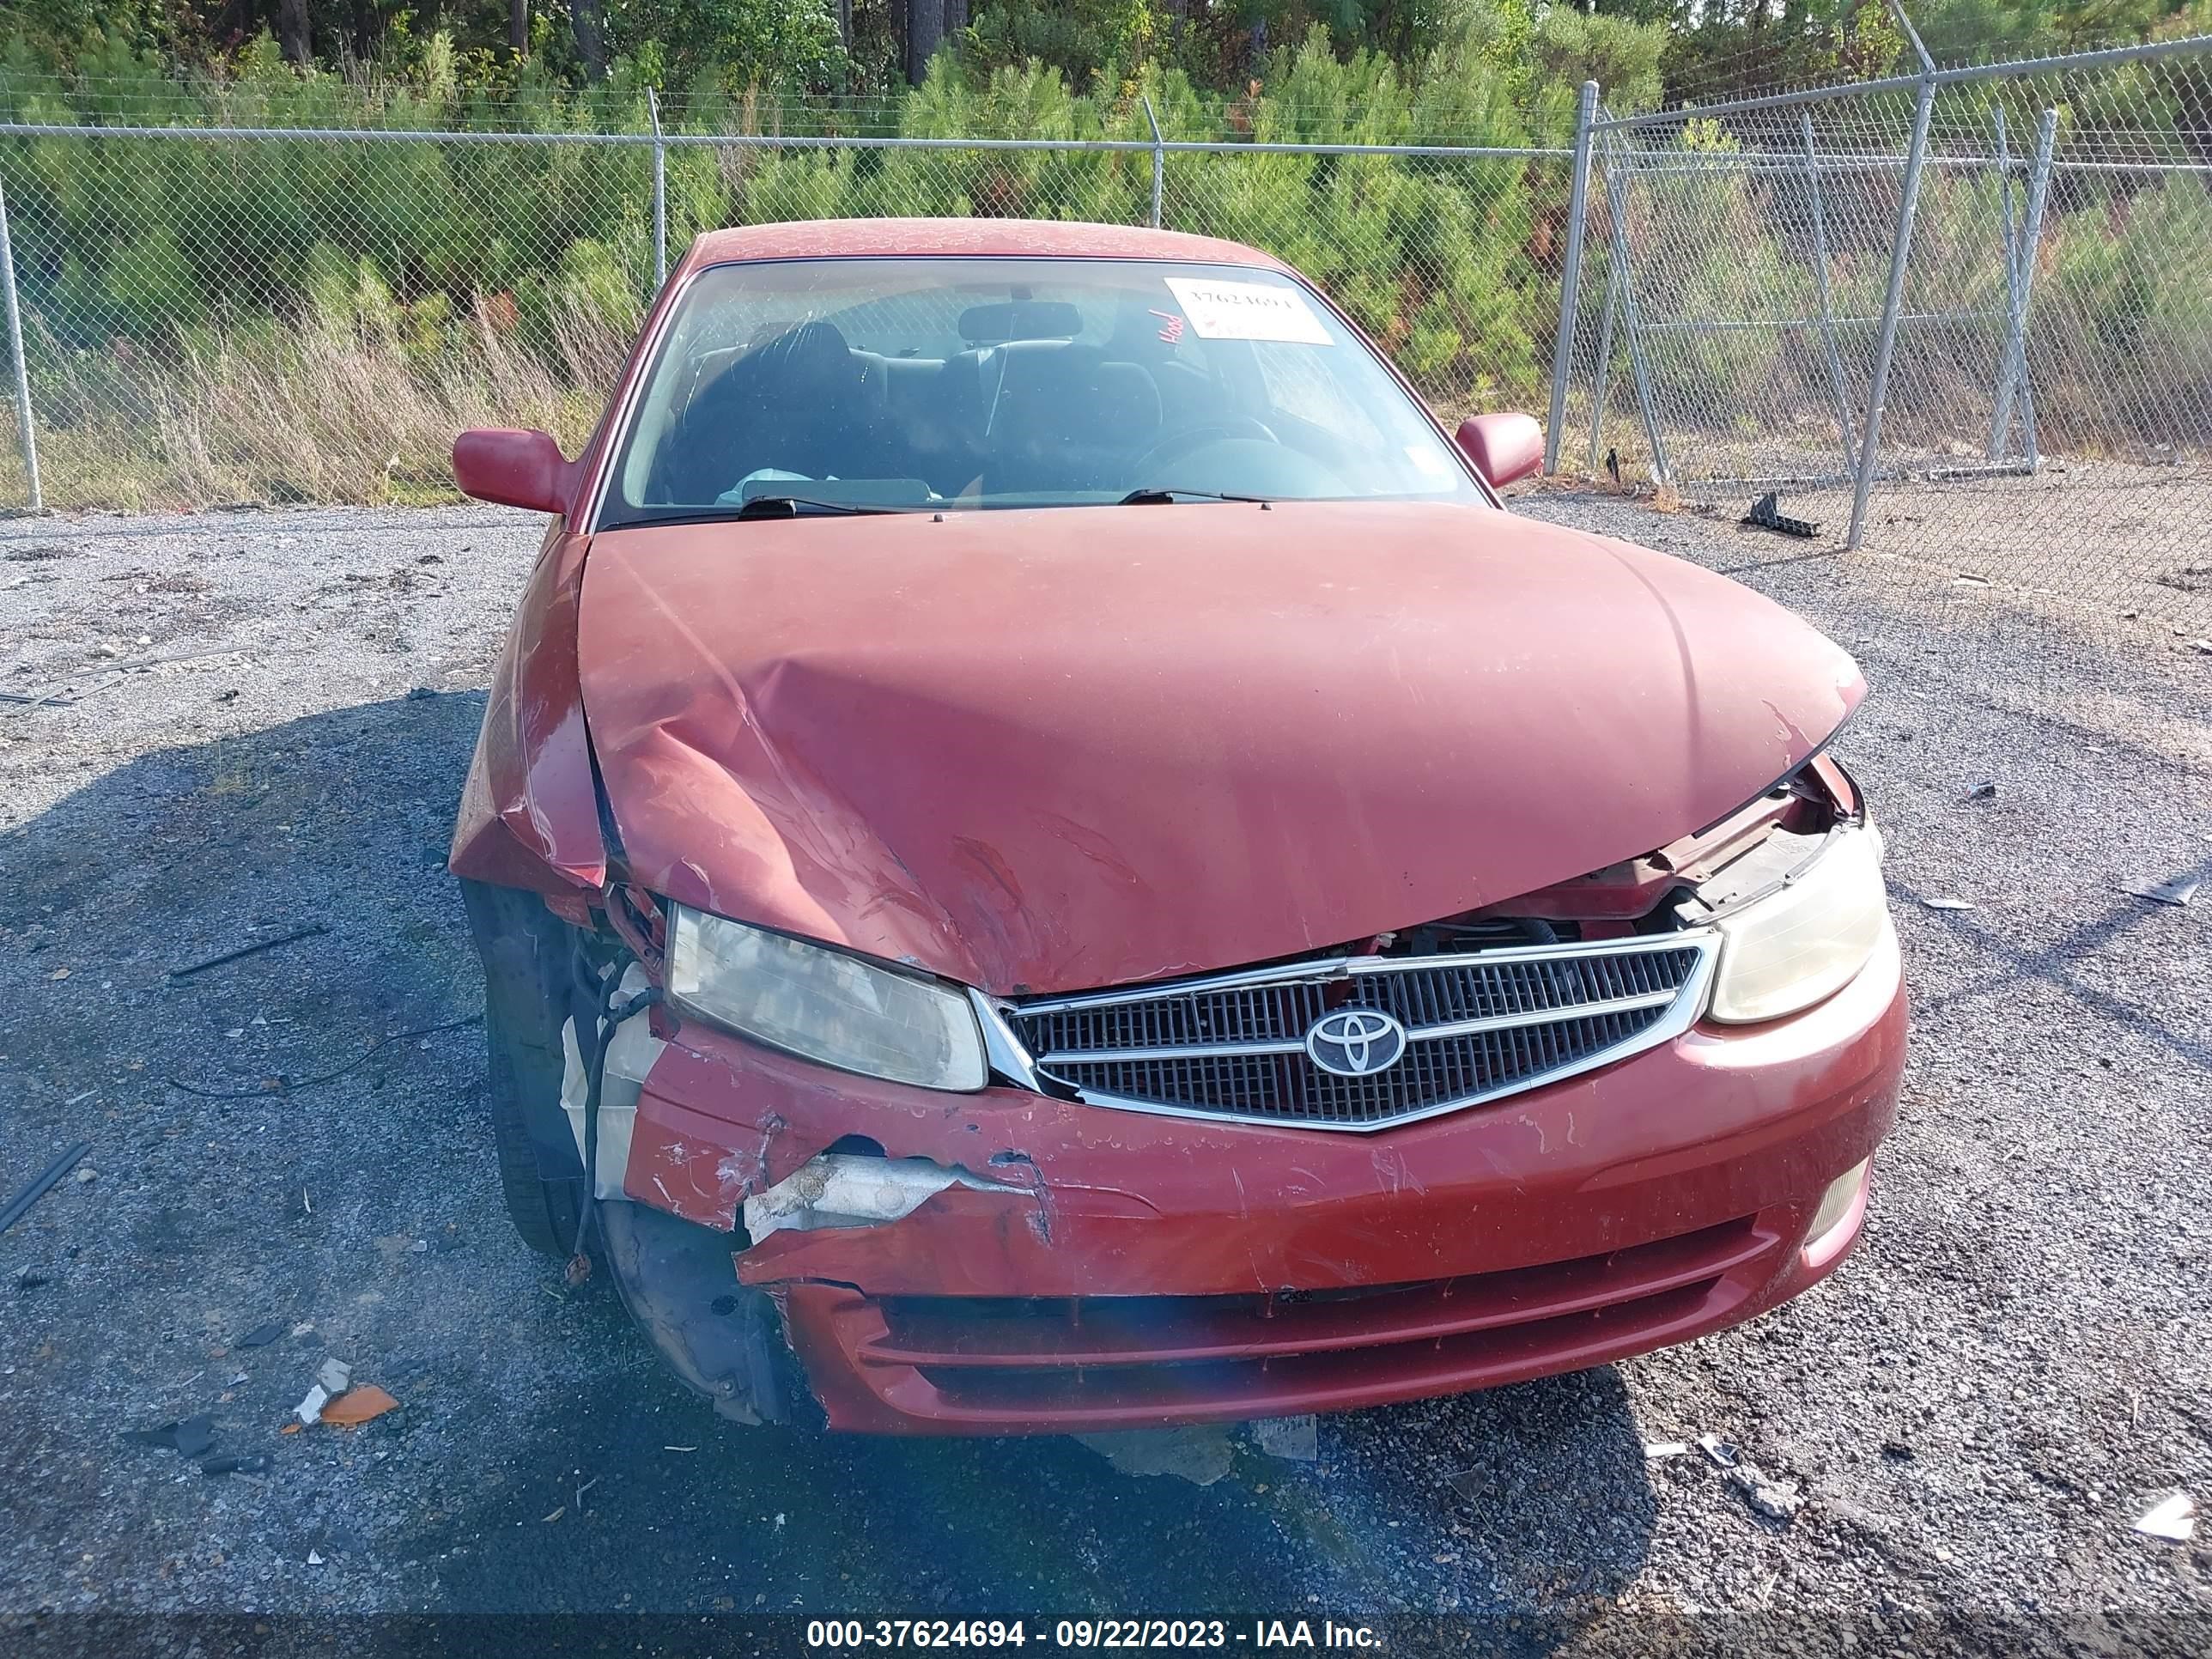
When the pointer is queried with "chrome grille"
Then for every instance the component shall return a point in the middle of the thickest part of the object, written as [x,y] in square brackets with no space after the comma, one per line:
[1478,1027]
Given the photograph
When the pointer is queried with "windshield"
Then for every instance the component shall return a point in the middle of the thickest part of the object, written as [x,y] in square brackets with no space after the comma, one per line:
[842,385]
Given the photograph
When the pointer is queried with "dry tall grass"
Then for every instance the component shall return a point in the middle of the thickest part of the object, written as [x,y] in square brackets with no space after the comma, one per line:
[323,410]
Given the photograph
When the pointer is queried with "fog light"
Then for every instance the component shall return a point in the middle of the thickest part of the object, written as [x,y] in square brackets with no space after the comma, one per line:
[1835,1202]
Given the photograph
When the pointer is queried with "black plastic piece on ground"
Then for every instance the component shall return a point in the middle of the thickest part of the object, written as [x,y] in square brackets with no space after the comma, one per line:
[259,945]
[19,1205]
[194,1436]
[1766,513]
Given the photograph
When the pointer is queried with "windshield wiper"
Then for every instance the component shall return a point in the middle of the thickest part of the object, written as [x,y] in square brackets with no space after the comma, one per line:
[1157,495]
[790,507]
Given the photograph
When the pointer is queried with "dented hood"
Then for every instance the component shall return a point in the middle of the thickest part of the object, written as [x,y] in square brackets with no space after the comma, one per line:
[1058,749]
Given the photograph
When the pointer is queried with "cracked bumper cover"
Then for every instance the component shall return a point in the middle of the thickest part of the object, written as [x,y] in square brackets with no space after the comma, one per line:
[1109,1268]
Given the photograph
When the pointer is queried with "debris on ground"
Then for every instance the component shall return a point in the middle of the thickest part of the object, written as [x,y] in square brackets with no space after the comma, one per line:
[235,1464]
[261,1335]
[1766,515]
[1949,903]
[1197,1452]
[40,1184]
[333,1399]
[190,1436]
[358,1406]
[259,945]
[1655,1449]
[1778,1500]
[1983,791]
[1296,1438]
[2179,892]
[2172,1518]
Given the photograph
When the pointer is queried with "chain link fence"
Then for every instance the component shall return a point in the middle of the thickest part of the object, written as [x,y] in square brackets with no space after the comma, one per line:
[211,314]
[1961,322]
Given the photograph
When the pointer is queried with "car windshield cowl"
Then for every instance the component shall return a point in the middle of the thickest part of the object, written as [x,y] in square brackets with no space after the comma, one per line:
[783,388]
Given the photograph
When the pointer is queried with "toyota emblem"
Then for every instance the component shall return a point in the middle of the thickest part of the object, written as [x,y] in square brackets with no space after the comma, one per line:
[1356,1041]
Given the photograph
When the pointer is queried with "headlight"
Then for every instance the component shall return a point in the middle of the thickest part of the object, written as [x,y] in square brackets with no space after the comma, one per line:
[1789,950]
[822,1004]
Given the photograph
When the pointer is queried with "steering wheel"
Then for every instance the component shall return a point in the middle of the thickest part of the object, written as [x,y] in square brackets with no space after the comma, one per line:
[1217,430]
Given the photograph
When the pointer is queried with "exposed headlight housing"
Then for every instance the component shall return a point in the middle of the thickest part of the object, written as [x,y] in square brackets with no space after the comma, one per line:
[1807,938]
[823,1004]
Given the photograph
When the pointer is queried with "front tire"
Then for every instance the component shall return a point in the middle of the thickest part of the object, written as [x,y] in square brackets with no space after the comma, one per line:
[526,950]
[545,1211]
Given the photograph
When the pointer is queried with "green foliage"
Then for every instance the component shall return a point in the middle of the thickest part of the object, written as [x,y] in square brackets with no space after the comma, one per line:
[789,45]
[1570,46]
[1085,42]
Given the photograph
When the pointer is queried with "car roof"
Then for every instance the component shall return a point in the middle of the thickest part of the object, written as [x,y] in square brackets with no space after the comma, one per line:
[846,239]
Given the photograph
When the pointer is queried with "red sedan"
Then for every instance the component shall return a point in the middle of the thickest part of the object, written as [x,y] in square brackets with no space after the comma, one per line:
[1067,866]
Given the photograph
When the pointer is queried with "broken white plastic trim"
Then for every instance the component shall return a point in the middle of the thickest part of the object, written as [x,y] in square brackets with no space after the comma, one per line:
[853,1189]
[630,1054]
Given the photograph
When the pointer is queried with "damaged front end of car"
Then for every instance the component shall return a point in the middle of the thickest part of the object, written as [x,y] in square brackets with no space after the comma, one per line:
[842,1191]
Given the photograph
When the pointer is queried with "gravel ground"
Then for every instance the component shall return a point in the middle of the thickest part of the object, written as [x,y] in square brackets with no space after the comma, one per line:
[2106,539]
[272,713]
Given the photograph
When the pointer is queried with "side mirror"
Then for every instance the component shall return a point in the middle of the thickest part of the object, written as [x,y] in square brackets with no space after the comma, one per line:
[516,469]
[1503,447]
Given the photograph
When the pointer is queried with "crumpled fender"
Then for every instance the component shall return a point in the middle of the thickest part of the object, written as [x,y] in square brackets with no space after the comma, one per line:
[529,810]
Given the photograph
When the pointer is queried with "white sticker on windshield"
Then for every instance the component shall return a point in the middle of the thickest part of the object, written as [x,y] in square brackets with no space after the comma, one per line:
[1247,311]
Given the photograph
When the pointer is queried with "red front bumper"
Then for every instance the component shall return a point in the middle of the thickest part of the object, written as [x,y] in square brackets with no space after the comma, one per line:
[1158,1269]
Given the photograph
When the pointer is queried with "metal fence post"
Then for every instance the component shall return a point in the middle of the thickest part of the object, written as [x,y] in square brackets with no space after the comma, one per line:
[1616,192]
[1900,253]
[1827,294]
[1601,380]
[1570,278]
[2012,379]
[659,193]
[35,501]
[1159,160]
[2000,413]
